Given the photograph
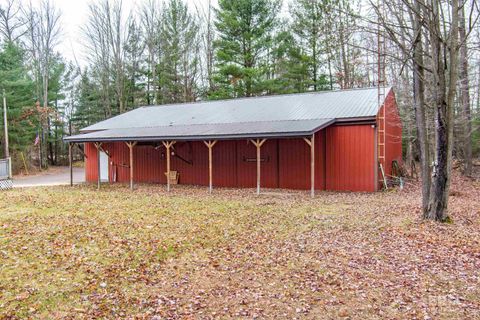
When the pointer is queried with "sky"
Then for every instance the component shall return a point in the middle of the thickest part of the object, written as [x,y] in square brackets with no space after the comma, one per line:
[74,14]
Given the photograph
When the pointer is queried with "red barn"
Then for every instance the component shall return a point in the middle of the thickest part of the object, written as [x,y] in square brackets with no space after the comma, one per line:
[333,140]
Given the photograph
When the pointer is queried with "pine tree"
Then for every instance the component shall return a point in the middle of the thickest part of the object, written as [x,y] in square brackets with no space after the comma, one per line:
[244,29]
[135,82]
[19,88]
[55,127]
[309,26]
[289,66]
[179,63]
[88,105]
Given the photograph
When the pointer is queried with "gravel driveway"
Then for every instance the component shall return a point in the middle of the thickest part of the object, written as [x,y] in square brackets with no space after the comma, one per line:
[53,177]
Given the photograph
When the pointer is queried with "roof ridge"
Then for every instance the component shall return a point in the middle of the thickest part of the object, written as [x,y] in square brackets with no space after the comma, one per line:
[177,104]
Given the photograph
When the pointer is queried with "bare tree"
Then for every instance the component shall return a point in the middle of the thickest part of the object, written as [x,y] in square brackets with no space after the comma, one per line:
[134,49]
[11,22]
[207,34]
[106,34]
[443,49]
[98,52]
[431,46]
[44,33]
[150,18]
[117,35]
[465,94]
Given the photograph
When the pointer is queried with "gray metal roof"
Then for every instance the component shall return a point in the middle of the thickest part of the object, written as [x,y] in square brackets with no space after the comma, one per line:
[282,115]
[258,129]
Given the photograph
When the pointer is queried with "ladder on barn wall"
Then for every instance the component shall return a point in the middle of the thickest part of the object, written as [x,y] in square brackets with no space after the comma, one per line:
[381,83]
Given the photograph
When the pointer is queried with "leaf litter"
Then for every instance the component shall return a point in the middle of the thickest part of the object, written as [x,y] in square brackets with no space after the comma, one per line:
[78,253]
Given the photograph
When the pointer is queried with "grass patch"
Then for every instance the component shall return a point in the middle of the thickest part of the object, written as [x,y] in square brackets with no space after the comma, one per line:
[118,254]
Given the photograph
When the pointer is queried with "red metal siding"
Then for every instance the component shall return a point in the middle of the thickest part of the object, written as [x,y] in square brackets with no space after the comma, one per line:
[191,161]
[294,160]
[91,162]
[393,138]
[394,132]
[350,155]
[294,163]
[223,161]
[286,163]
[344,160]
[247,165]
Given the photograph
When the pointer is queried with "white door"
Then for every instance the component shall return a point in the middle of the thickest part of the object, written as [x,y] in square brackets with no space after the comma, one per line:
[103,167]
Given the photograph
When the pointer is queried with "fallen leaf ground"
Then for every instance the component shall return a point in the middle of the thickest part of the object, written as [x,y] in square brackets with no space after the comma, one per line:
[78,253]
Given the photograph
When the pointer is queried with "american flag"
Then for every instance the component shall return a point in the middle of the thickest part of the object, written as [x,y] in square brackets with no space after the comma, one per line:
[37,140]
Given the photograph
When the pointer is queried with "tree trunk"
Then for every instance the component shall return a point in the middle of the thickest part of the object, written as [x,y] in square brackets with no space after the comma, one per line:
[465,97]
[343,51]
[314,58]
[443,94]
[419,104]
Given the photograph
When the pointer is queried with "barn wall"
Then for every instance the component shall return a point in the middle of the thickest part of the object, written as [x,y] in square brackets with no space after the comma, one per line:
[91,162]
[285,163]
[350,158]
[344,160]
[393,138]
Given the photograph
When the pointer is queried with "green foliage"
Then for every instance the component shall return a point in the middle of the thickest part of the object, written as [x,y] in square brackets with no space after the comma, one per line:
[19,90]
[55,121]
[245,30]
[135,72]
[88,108]
[288,66]
[291,67]
[476,137]
[179,63]
[309,26]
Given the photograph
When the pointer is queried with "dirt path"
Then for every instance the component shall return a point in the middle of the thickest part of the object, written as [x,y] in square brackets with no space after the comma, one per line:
[53,177]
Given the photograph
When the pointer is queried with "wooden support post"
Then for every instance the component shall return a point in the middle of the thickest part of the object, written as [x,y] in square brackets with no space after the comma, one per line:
[70,162]
[210,145]
[311,143]
[130,146]
[98,145]
[168,145]
[258,143]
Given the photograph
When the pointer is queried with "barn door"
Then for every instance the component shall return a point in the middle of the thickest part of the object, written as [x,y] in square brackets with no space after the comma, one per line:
[103,167]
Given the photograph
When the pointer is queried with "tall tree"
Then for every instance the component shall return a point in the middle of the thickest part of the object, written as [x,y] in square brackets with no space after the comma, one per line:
[244,29]
[99,53]
[134,48]
[106,33]
[150,18]
[11,21]
[55,125]
[19,90]
[342,43]
[43,29]
[88,103]
[465,94]
[179,62]
[117,37]
[434,38]
[309,25]
[443,50]
[290,67]
[207,33]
